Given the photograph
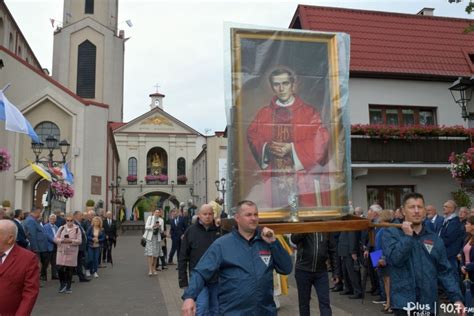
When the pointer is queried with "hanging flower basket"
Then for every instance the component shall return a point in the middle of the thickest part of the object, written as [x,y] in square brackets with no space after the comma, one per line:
[461,165]
[62,189]
[4,160]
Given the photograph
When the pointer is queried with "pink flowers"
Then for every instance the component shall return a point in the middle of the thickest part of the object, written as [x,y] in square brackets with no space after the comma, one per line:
[161,178]
[410,132]
[461,165]
[132,178]
[62,189]
[4,159]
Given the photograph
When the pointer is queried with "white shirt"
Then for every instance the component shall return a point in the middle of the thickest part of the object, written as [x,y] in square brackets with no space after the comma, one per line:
[6,253]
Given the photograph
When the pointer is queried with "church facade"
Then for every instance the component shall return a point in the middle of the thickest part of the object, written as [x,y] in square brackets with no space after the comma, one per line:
[156,153]
[82,103]
[68,106]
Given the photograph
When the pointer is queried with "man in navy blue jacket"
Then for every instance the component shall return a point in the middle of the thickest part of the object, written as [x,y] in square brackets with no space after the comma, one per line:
[417,260]
[21,239]
[433,221]
[244,260]
[177,229]
[50,229]
[38,239]
[452,233]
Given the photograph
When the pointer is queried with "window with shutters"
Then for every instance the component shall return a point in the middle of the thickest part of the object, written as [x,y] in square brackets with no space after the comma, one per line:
[89,7]
[86,64]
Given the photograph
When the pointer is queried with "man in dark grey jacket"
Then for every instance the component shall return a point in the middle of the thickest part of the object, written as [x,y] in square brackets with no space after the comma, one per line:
[311,270]
[348,247]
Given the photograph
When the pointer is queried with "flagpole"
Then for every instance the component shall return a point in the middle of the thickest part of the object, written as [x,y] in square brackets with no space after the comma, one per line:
[6,87]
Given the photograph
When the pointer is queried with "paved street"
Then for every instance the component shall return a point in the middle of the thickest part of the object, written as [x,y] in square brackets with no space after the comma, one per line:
[126,289]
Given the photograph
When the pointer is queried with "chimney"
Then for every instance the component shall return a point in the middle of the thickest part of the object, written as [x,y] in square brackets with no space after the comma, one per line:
[156,100]
[426,11]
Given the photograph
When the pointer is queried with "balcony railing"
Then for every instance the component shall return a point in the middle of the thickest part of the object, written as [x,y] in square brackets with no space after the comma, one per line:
[428,150]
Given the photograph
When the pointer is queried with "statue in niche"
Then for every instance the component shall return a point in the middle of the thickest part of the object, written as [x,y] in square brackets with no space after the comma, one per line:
[156,163]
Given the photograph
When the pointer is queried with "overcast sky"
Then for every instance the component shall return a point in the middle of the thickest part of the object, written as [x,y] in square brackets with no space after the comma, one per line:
[179,45]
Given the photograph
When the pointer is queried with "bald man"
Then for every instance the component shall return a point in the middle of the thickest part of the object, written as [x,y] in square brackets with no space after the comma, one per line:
[19,270]
[452,233]
[195,242]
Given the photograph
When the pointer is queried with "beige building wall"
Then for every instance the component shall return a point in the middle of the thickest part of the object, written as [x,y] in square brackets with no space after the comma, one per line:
[109,58]
[105,12]
[82,125]
[206,169]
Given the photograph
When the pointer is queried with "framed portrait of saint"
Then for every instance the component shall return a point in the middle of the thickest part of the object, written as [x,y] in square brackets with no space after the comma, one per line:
[289,133]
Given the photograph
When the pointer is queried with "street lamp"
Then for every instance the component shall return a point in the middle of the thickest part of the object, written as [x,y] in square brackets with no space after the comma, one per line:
[51,146]
[461,90]
[222,190]
[114,186]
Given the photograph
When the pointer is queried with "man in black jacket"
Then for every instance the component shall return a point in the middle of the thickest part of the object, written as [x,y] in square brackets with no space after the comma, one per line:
[81,255]
[348,247]
[21,239]
[311,270]
[110,230]
[196,240]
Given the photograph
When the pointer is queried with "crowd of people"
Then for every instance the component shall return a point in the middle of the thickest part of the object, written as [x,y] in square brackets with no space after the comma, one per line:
[416,259]
[75,243]
[414,254]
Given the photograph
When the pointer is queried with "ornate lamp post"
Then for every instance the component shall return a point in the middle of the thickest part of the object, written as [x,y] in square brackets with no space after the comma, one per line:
[114,186]
[222,190]
[461,90]
[48,161]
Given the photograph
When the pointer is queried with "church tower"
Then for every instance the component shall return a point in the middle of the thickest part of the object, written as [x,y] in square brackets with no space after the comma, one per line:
[88,55]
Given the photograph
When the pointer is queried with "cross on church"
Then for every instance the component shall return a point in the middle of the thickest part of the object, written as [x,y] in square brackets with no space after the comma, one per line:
[157,86]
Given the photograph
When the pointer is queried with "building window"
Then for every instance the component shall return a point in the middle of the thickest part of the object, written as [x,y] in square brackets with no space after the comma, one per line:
[132,171]
[401,115]
[86,63]
[132,166]
[44,129]
[89,7]
[389,197]
[11,43]
[181,164]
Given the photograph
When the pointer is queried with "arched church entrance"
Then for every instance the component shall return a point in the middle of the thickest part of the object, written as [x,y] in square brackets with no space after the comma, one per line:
[150,201]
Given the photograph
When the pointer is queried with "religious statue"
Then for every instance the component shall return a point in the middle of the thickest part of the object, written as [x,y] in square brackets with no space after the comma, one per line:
[156,161]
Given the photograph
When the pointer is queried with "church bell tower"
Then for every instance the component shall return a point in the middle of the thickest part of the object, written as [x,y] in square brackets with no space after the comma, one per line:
[88,55]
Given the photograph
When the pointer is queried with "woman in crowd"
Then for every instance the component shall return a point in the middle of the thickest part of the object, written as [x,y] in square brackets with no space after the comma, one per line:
[68,238]
[95,236]
[467,252]
[153,227]
[385,216]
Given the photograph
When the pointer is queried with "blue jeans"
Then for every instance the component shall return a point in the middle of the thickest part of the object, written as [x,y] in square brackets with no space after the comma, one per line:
[206,302]
[93,256]
[320,280]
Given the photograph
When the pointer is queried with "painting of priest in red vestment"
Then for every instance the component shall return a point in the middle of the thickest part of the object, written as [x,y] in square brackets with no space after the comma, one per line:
[289,143]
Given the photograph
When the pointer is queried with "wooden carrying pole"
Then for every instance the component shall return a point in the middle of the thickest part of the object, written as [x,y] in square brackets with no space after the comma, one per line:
[346,223]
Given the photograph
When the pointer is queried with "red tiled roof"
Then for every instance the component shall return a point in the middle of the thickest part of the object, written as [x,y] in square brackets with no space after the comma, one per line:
[115,125]
[397,44]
